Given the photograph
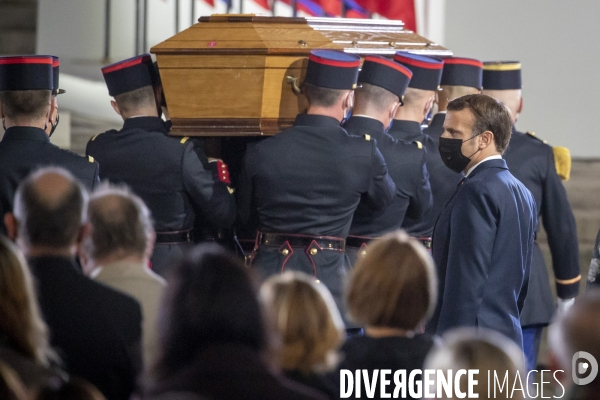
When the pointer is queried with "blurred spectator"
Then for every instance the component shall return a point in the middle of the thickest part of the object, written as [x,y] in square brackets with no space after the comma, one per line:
[392,290]
[310,327]
[96,329]
[489,352]
[577,330]
[11,387]
[212,339]
[73,389]
[593,278]
[117,253]
[23,334]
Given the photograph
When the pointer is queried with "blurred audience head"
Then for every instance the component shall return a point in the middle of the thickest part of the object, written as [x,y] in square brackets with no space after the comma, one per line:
[393,285]
[121,228]
[11,388]
[20,317]
[210,298]
[577,330]
[72,389]
[306,318]
[485,350]
[49,211]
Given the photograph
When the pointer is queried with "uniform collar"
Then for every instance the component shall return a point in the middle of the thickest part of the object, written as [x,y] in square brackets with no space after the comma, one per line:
[26,133]
[495,161]
[359,122]
[145,123]
[316,120]
[410,129]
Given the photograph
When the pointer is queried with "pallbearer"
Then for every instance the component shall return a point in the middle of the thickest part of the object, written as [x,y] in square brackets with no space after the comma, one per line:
[418,100]
[54,116]
[173,176]
[28,111]
[540,168]
[382,86]
[305,183]
[460,76]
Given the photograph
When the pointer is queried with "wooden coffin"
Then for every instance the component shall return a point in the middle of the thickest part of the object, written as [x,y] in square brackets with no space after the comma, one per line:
[238,75]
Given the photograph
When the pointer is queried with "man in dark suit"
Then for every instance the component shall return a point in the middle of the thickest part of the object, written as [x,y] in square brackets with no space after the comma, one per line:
[483,239]
[28,111]
[172,175]
[533,162]
[96,330]
[382,86]
[305,183]
[418,100]
[460,76]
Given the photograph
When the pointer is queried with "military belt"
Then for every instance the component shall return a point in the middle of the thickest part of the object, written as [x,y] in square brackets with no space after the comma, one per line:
[357,241]
[300,240]
[175,237]
[425,241]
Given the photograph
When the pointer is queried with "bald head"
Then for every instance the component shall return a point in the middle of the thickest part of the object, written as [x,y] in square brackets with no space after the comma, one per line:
[511,99]
[121,225]
[49,208]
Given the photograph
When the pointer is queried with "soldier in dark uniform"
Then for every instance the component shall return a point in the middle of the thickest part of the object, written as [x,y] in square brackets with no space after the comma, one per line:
[532,161]
[382,86]
[27,108]
[306,182]
[418,100]
[460,76]
[172,175]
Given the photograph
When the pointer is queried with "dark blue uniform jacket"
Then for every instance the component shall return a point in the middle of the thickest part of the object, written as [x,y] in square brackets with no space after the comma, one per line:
[482,248]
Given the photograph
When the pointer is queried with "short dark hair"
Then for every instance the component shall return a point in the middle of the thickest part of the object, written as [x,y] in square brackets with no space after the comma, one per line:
[142,97]
[210,298]
[121,223]
[489,115]
[45,221]
[25,103]
[320,96]
[376,95]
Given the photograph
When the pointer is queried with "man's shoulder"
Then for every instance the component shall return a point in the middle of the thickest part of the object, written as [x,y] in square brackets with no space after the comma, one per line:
[101,294]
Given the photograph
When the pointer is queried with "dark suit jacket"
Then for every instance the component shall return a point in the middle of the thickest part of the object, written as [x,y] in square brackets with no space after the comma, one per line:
[96,330]
[443,181]
[25,149]
[406,166]
[531,161]
[482,248]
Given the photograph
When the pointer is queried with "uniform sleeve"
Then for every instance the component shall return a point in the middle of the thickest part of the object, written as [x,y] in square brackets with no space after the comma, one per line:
[207,188]
[422,200]
[381,189]
[594,273]
[559,224]
[473,232]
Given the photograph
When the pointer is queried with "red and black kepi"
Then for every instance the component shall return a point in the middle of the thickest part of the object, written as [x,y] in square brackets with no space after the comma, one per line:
[501,75]
[427,71]
[128,75]
[332,69]
[26,73]
[460,71]
[385,73]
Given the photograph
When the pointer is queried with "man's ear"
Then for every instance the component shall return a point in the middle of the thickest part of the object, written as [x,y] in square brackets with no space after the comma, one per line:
[115,107]
[12,226]
[520,106]
[349,101]
[53,109]
[429,105]
[487,138]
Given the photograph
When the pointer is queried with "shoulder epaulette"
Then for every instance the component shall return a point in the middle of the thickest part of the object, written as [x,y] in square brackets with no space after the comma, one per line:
[367,137]
[184,139]
[419,144]
[95,136]
[91,159]
[532,134]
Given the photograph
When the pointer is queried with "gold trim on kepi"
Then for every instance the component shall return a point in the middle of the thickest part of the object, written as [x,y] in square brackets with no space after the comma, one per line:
[502,66]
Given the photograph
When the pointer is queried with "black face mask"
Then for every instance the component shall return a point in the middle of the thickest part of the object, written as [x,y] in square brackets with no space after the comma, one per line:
[452,156]
[55,124]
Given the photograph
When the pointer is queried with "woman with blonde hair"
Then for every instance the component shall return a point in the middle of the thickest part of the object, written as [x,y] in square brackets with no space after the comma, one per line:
[391,292]
[493,354]
[309,325]
[23,334]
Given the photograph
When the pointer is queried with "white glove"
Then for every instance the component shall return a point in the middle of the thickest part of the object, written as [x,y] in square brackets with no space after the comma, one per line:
[564,305]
